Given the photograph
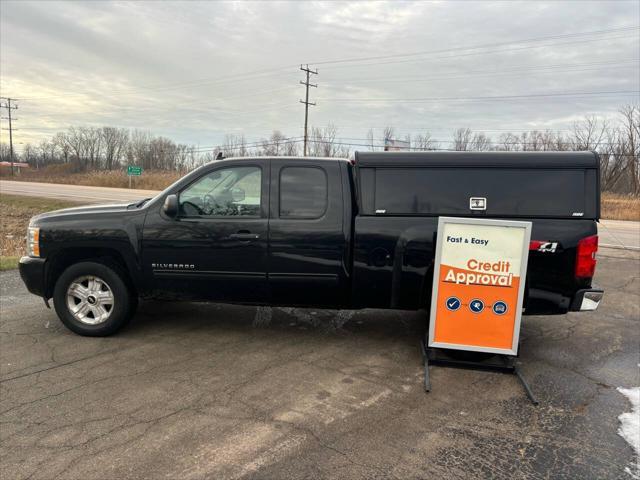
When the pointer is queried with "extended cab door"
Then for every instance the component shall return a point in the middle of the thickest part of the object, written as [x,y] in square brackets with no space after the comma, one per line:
[216,247]
[307,242]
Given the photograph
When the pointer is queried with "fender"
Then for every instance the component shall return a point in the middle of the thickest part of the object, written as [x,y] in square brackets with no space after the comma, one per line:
[87,236]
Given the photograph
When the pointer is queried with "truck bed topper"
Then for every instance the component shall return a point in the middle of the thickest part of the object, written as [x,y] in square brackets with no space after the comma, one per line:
[498,184]
[585,159]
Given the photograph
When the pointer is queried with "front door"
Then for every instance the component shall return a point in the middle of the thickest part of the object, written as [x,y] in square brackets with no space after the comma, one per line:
[216,247]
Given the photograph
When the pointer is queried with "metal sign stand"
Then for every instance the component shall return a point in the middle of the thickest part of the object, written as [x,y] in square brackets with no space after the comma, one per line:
[465,261]
[496,363]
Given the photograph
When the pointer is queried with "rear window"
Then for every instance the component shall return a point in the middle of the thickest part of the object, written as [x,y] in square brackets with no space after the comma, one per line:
[447,191]
[303,192]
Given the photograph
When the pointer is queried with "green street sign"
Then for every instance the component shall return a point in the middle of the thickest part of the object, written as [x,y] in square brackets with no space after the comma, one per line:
[134,170]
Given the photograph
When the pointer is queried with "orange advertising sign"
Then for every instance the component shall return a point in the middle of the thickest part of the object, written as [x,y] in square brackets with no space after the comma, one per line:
[478,284]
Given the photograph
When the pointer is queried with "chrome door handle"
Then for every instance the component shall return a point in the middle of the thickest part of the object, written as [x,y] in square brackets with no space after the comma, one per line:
[244,236]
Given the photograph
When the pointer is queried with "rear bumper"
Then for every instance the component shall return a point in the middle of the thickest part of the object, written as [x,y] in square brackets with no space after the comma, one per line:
[587,300]
[33,275]
[544,302]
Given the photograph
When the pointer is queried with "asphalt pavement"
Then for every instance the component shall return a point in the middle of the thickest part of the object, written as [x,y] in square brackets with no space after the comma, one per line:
[75,193]
[208,391]
[619,234]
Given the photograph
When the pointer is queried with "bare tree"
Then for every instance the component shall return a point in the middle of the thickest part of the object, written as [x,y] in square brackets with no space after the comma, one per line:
[588,133]
[480,142]
[182,157]
[388,135]
[462,139]
[424,142]
[64,147]
[5,152]
[162,154]
[508,142]
[613,164]
[291,148]
[30,155]
[210,156]
[74,140]
[323,143]
[235,146]
[275,145]
[115,143]
[138,150]
[370,140]
[92,144]
[47,149]
[629,143]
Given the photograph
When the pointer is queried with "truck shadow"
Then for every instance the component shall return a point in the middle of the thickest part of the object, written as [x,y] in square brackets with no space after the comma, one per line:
[209,318]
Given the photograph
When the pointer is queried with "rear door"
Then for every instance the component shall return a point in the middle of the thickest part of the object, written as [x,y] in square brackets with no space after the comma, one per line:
[307,244]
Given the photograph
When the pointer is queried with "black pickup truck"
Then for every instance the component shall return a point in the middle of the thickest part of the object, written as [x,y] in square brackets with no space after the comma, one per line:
[316,232]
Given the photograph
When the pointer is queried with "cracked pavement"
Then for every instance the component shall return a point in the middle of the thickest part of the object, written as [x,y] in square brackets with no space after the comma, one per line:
[204,391]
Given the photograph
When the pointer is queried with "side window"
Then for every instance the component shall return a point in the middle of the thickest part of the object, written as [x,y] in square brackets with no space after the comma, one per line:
[303,192]
[228,192]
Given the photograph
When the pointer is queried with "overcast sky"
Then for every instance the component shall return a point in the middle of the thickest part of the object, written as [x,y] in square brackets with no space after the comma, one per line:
[195,71]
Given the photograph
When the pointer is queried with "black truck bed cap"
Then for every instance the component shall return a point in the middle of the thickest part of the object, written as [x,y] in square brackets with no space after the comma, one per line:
[585,159]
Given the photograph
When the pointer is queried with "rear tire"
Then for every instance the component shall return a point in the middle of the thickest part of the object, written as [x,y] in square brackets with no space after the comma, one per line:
[93,299]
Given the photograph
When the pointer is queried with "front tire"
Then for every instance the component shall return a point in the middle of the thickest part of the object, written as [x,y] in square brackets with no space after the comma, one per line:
[93,299]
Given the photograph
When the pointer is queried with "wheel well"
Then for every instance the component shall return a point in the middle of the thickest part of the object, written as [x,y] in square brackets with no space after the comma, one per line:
[66,258]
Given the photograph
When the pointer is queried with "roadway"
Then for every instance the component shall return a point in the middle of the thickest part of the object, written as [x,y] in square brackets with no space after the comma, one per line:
[75,193]
[613,233]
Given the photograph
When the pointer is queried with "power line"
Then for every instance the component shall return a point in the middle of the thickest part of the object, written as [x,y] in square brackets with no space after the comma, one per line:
[439,56]
[477,47]
[469,54]
[306,101]
[254,144]
[9,107]
[538,70]
[482,98]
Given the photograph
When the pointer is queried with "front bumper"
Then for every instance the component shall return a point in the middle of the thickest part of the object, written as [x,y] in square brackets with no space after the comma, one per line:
[587,300]
[32,272]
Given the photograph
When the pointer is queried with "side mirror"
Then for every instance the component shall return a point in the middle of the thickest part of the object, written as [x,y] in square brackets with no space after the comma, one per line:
[170,207]
[237,194]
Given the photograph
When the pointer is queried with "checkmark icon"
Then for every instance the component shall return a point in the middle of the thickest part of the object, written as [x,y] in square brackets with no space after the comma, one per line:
[453,303]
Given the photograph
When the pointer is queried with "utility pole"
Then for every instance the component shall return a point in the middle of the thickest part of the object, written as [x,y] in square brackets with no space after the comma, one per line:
[8,106]
[306,102]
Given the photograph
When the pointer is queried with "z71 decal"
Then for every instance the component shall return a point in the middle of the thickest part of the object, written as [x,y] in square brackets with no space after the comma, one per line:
[545,247]
[549,247]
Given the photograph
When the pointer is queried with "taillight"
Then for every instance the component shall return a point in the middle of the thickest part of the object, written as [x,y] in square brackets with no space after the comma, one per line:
[586,257]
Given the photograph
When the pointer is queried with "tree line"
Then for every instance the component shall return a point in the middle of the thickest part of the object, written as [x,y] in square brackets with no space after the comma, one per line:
[108,148]
[105,148]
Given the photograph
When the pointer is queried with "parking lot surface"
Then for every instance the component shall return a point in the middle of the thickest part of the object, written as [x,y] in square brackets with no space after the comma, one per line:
[195,391]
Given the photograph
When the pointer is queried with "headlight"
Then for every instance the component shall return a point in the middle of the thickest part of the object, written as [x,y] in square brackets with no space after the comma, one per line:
[33,242]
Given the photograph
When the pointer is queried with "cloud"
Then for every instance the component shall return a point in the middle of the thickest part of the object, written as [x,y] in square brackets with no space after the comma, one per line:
[193,71]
